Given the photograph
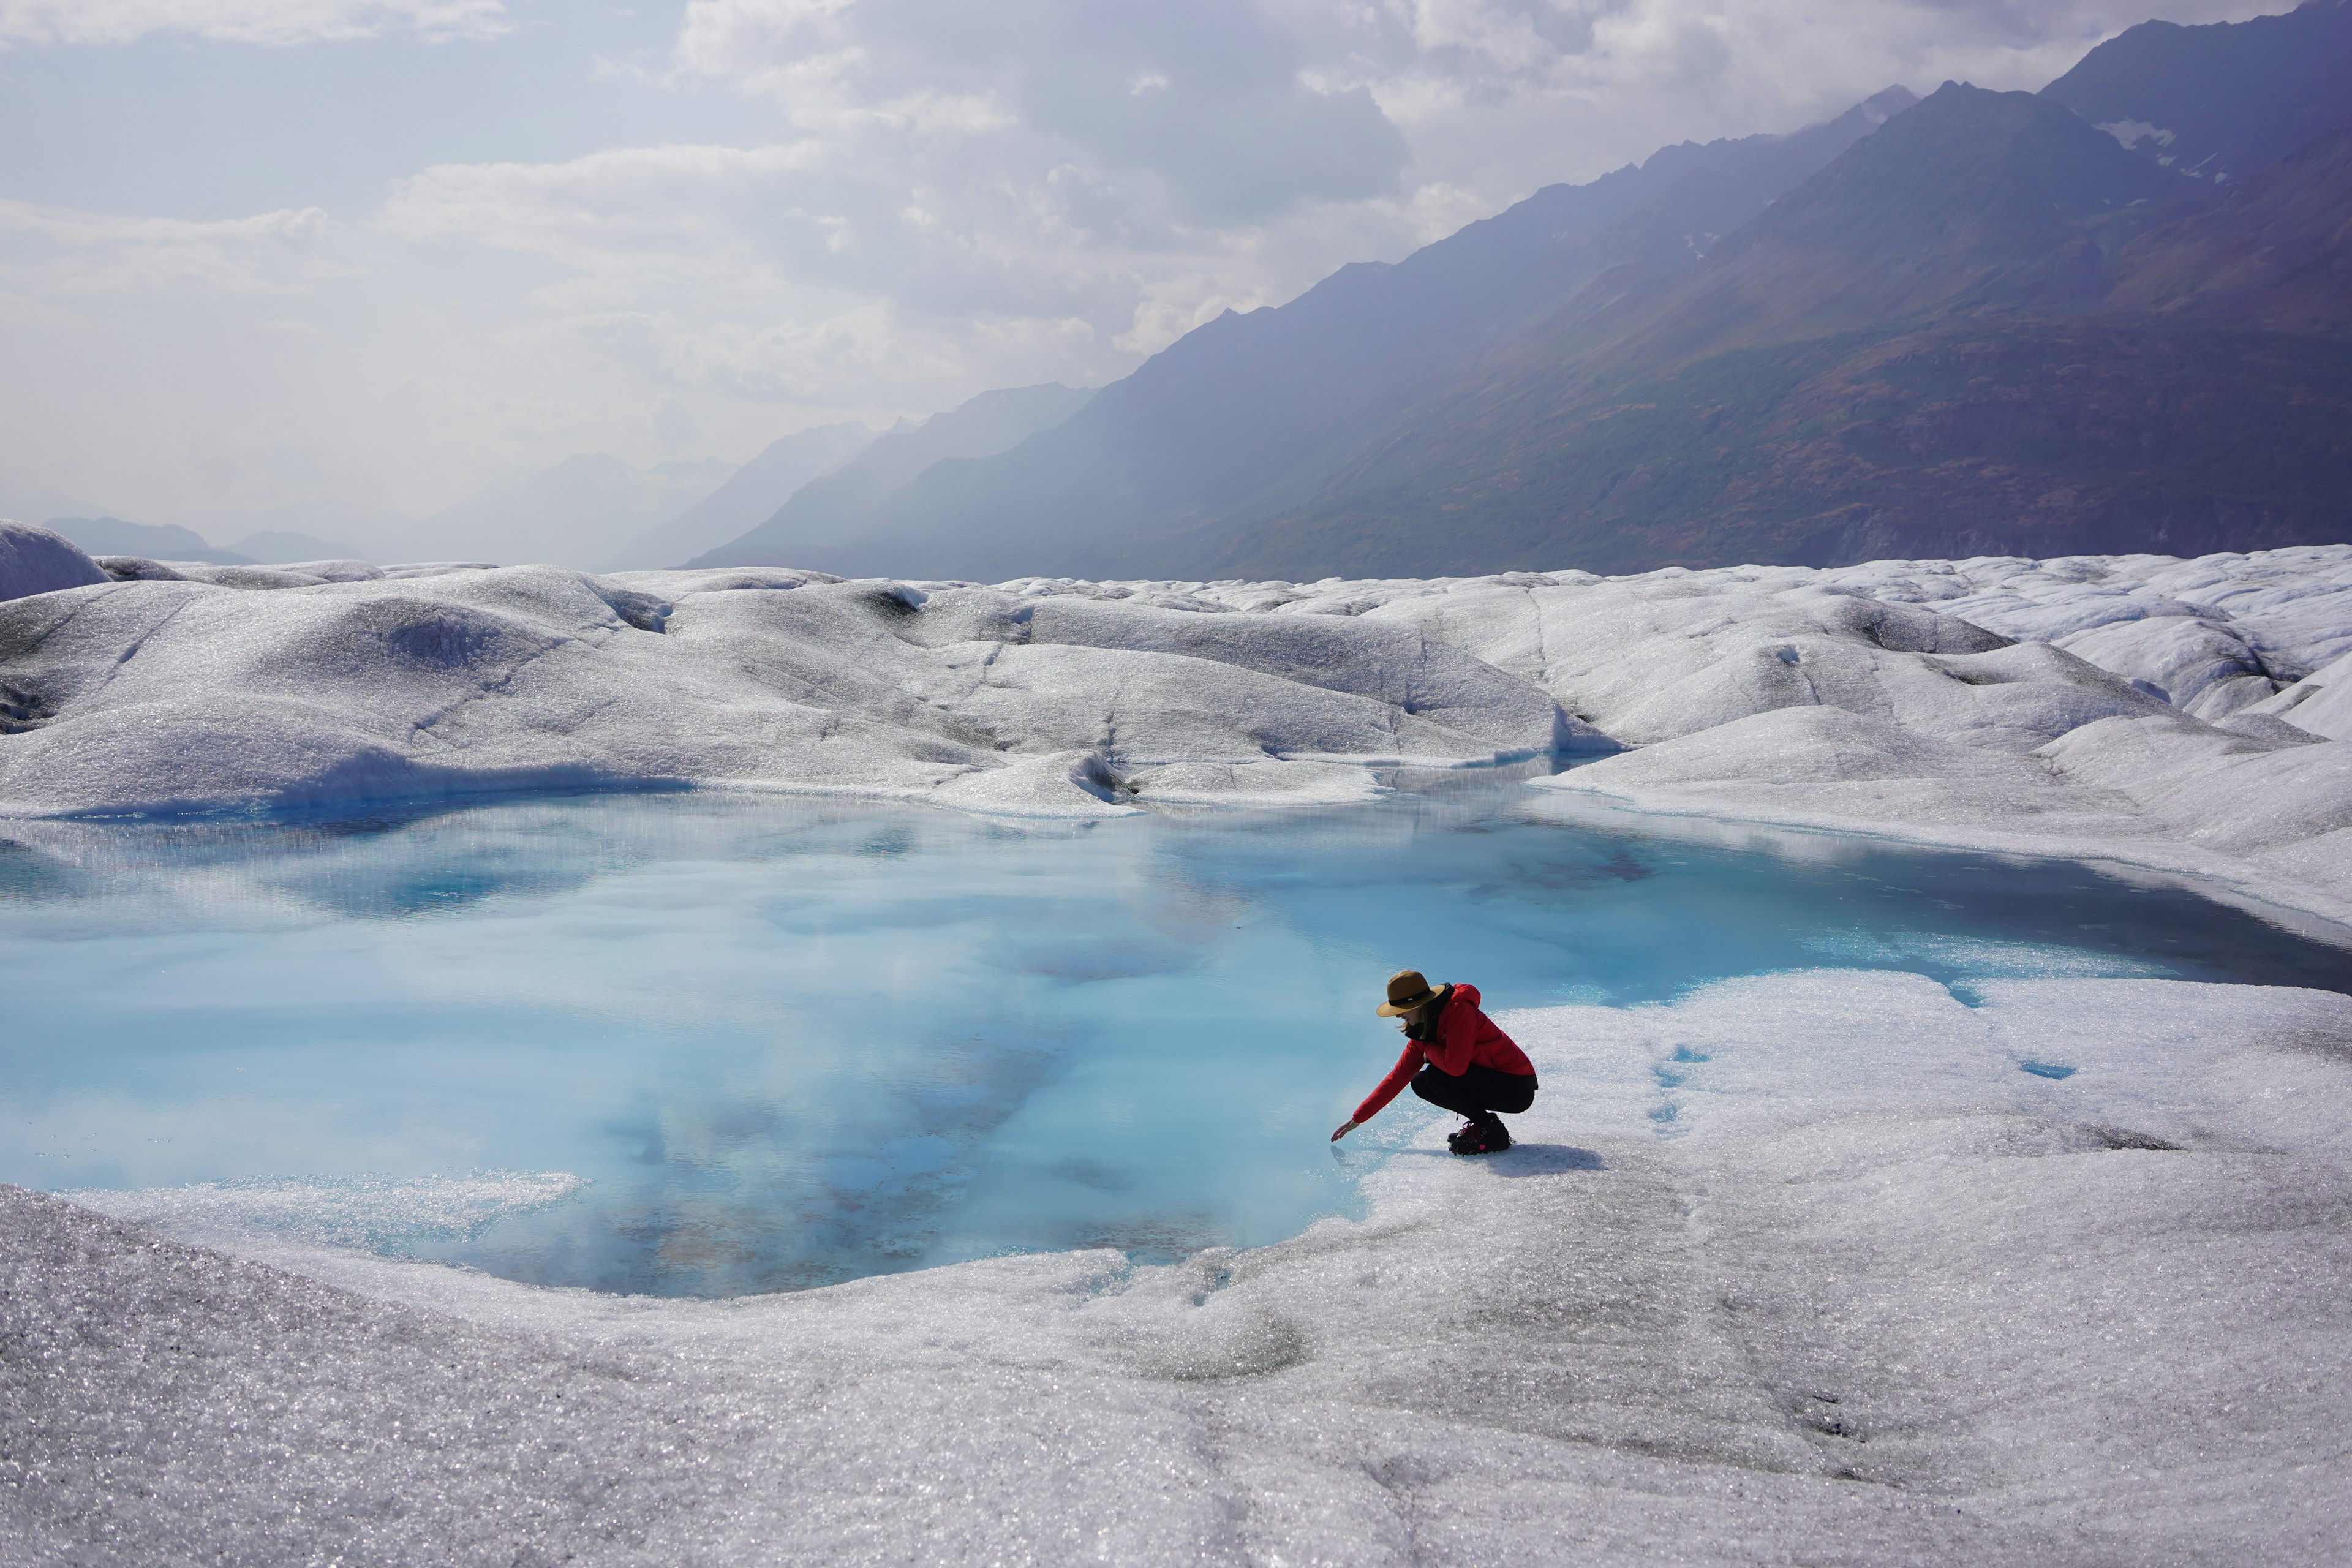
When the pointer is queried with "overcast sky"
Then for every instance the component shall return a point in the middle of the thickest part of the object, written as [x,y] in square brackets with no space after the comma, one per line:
[381,252]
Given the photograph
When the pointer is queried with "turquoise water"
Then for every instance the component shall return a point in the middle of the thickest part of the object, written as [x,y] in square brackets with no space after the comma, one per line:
[787,1042]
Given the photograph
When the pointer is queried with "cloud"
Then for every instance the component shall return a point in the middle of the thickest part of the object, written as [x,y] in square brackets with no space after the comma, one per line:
[725,269]
[1208,100]
[1022,154]
[62,253]
[582,208]
[988,184]
[274,21]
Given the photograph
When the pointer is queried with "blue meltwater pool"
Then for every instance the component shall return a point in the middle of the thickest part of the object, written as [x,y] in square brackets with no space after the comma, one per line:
[701,1045]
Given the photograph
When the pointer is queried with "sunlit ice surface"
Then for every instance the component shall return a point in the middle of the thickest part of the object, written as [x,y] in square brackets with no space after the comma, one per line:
[709,1044]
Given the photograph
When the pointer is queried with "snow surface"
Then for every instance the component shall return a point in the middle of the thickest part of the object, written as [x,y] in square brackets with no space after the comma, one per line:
[335,682]
[39,561]
[1803,1268]
[2194,715]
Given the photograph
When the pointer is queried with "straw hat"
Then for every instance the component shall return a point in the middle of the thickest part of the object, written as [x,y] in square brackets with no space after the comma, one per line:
[1407,990]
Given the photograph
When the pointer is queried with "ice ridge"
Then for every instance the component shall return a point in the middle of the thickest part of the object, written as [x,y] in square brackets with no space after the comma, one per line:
[2194,715]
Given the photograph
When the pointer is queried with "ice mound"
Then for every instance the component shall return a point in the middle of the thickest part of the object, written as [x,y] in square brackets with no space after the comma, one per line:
[2187,714]
[2318,704]
[2210,635]
[37,560]
[2184,714]
[337,682]
[1793,1264]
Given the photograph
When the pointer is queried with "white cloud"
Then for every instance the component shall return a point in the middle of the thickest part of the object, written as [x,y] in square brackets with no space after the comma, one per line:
[1038,155]
[60,253]
[576,210]
[277,22]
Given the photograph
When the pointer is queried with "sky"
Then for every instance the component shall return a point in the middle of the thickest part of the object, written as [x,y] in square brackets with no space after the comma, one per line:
[370,256]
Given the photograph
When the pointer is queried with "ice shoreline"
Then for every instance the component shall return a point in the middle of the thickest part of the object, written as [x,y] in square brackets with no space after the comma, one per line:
[2218,878]
[1796,1264]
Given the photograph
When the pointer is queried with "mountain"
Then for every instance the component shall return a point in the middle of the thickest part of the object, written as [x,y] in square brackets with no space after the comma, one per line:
[1249,411]
[752,494]
[156,541]
[1999,322]
[307,531]
[2275,252]
[1938,346]
[818,525]
[585,511]
[2222,101]
[1966,196]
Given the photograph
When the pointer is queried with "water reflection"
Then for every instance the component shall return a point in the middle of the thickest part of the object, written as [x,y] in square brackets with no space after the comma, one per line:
[788,1042]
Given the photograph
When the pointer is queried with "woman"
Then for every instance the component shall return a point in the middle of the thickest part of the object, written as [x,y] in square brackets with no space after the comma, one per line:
[1474,1069]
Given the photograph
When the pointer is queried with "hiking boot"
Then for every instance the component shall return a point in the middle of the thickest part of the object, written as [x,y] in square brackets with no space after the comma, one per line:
[1488,1137]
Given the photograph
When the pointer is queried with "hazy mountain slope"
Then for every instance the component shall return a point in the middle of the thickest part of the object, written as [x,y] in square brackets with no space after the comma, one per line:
[156,541]
[335,529]
[1723,419]
[751,495]
[584,511]
[814,527]
[2276,251]
[1991,324]
[1249,409]
[1965,194]
[2222,101]
[2051,435]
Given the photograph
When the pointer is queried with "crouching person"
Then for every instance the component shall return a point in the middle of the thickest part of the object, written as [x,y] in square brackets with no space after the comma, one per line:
[1453,1057]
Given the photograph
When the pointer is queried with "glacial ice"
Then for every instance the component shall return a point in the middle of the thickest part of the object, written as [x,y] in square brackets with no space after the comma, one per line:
[1803,1265]
[38,561]
[286,688]
[2145,706]
[1798,1268]
[2186,714]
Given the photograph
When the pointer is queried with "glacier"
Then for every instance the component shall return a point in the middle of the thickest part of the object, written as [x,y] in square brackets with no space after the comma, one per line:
[2187,715]
[1829,1264]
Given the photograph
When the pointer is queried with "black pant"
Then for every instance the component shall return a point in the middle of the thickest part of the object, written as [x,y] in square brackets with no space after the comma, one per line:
[1478,1092]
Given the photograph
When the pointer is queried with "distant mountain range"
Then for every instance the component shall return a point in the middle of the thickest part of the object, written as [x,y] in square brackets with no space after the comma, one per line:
[825,518]
[601,513]
[156,541]
[2222,101]
[2113,316]
[594,510]
[750,494]
[590,511]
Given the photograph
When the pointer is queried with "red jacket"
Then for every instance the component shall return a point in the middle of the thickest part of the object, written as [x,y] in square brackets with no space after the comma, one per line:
[1465,1037]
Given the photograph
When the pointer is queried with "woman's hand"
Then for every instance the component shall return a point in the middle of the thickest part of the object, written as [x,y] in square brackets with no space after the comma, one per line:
[1345,1127]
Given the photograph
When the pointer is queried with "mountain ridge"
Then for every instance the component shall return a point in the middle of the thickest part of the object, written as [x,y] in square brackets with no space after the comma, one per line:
[1977,320]
[2011,411]
[1247,403]
[828,507]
